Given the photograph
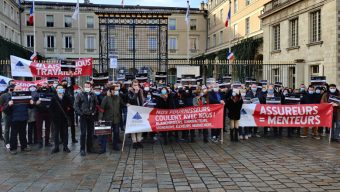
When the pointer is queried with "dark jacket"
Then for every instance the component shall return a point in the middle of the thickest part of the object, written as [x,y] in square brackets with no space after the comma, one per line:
[136,98]
[17,112]
[234,109]
[43,107]
[213,99]
[111,106]
[336,110]
[60,107]
[163,104]
[85,105]
[309,99]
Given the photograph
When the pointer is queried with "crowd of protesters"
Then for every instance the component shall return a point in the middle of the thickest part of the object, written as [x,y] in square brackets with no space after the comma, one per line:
[55,107]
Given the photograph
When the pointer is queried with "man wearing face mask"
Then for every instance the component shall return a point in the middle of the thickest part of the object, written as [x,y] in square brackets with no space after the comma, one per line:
[253,93]
[85,106]
[136,97]
[60,104]
[69,91]
[271,94]
[303,91]
[215,98]
[6,117]
[111,106]
[43,114]
[333,91]
[310,98]
[31,123]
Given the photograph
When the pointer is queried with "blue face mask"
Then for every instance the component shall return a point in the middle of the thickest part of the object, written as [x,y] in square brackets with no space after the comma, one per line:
[270,91]
[60,91]
[148,97]
[97,93]
[254,89]
[163,92]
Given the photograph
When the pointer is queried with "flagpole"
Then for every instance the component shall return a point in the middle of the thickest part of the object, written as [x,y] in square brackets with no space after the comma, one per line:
[34,41]
[188,38]
[78,30]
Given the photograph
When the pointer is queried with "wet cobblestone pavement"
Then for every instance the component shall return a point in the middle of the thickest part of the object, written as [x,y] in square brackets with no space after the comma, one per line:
[259,164]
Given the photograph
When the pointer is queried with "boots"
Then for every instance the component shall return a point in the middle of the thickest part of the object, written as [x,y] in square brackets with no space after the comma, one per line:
[231,134]
[236,135]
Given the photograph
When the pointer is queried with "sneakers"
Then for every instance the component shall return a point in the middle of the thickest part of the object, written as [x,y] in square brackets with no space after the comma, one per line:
[257,135]
[14,152]
[246,137]
[303,136]
[82,153]
[214,139]
[241,137]
[8,146]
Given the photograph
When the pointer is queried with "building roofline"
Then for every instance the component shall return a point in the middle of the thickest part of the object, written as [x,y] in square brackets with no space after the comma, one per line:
[71,4]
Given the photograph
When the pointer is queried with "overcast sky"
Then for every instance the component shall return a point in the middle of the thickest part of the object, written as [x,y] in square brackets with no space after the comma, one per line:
[167,3]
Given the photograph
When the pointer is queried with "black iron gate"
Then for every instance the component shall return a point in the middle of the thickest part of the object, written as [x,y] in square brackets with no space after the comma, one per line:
[138,39]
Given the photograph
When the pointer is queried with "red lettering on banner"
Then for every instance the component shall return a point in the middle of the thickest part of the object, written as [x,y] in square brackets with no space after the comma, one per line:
[207,117]
[311,115]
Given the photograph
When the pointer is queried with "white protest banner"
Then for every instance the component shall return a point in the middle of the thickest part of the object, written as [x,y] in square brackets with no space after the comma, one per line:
[4,82]
[20,67]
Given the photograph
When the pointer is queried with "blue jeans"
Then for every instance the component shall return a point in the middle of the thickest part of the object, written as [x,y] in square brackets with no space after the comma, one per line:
[336,130]
[103,142]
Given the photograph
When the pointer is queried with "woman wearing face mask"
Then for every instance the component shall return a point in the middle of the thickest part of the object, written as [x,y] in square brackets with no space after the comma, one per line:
[199,100]
[214,97]
[244,131]
[60,104]
[333,91]
[32,131]
[234,105]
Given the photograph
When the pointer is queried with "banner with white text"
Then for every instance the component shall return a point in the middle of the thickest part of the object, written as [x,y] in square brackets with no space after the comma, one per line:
[24,68]
[144,119]
[307,115]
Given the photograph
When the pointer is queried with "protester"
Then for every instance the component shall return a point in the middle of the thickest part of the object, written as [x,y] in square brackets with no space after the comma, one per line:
[135,95]
[215,98]
[254,95]
[32,131]
[310,98]
[60,105]
[111,106]
[199,100]
[163,102]
[333,91]
[234,105]
[43,117]
[19,117]
[85,106]
[6,117]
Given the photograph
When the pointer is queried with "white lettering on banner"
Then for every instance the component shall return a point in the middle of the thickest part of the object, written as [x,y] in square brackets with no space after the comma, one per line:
[84,62]
[299,120]
[288,110]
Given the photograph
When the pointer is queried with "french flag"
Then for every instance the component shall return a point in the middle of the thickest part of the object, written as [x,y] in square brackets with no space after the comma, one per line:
[230,56]
[31,18]
[34,57]
[228,18]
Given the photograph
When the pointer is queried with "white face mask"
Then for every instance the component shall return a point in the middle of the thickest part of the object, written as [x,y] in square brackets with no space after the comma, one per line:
[332,90]
[216,89]
[243,94]
[116,93]
[87,90]
[147,89]
[234,94]
[318,91]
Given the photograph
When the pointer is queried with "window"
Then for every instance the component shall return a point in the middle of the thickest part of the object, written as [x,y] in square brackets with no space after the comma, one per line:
[90,22]
[90,43]
[276,36]
[193,23]
[235,6]
[209,42]
[214,19]
[276,75]
[173,44]
[68,21]
[193,45]
[293,30]
[68,42]
[49,21]
[112,43]
[27,20]
[209,23]
[50,41]
[30,41]
[221,37]
[235,30]
[152,44]
[316,26]
[5,7]
[221,14]
[247,2]
[12,13]
[214,40]
[247,27]
[315,70]
[172,24]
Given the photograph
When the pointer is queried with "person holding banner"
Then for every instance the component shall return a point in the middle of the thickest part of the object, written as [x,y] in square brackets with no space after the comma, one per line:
[85,107]
[18,111]
[42,114]
[332,96]
[111,111]
[215,98]
[254,95]
[310,98]
[199,100]
[234,105]
[60,104]
[135,97]
[31,127]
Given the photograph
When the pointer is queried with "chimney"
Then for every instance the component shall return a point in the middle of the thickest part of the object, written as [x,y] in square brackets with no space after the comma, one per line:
[202,8]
